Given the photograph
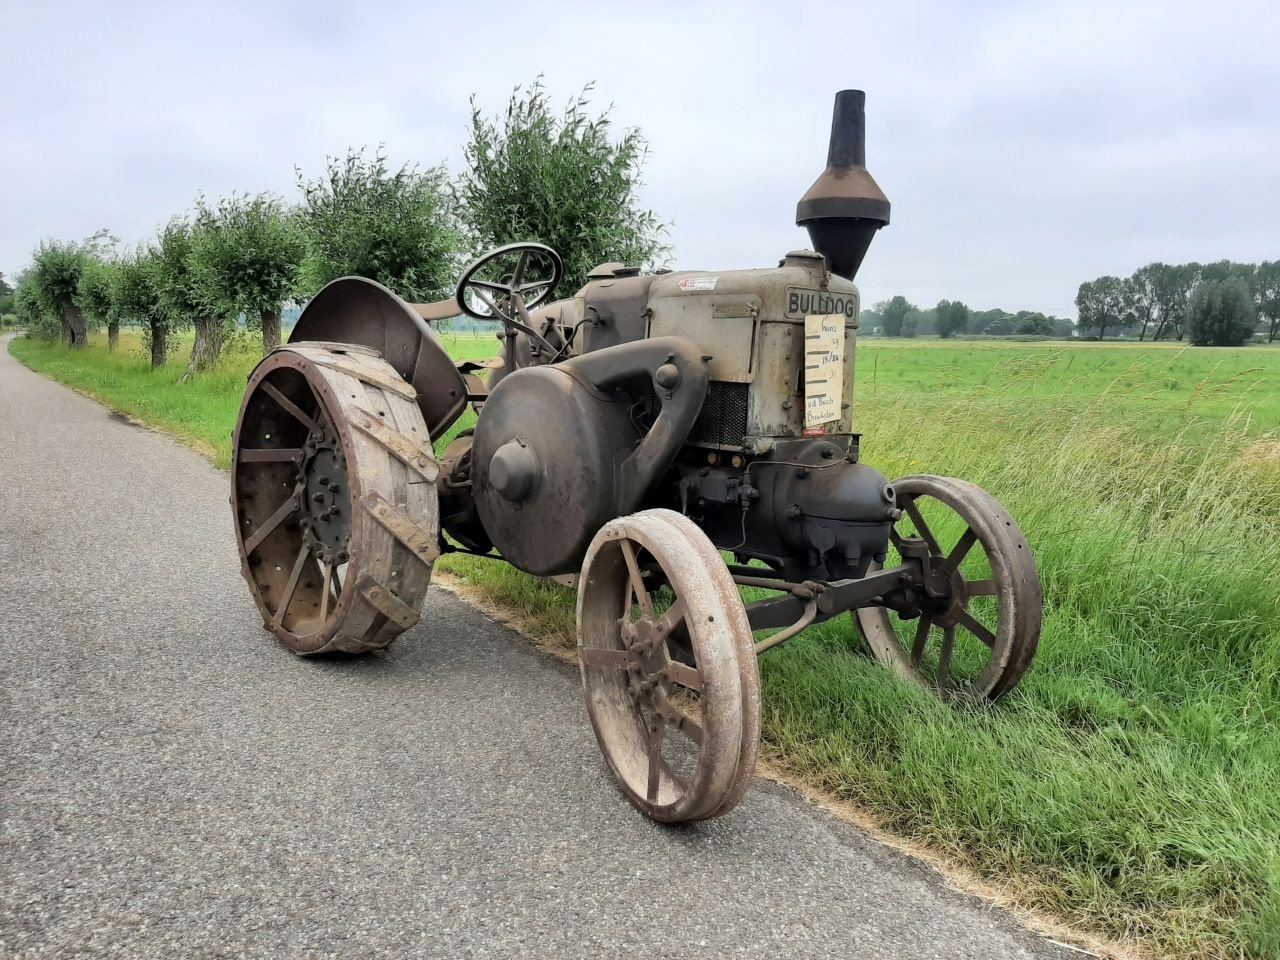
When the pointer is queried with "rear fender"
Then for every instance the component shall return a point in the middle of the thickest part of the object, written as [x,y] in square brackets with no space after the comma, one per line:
[363,312]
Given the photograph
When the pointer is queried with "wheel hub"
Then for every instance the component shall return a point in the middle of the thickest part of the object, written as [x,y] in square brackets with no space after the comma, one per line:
[326,513]
[649,669]
[945,608]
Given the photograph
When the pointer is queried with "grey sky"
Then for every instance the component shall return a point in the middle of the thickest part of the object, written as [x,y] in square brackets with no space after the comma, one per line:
[1024,146]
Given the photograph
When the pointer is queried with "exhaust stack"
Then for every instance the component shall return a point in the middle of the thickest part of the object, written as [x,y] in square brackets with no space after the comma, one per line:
[844,208]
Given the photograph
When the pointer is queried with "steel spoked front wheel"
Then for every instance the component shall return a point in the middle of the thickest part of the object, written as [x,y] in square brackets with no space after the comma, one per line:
[680,738]
[334,498]
[981,608]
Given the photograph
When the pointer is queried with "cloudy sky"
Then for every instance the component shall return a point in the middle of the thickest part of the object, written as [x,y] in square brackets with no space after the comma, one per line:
[1024,146]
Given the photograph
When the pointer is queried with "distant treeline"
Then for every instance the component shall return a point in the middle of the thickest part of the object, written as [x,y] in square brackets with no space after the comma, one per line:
[1219,303]
[899,317]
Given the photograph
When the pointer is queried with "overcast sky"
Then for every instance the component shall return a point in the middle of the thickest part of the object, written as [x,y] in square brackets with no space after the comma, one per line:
[1024,146]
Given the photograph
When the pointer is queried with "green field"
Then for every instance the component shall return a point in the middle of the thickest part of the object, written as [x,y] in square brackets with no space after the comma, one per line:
[1131,784]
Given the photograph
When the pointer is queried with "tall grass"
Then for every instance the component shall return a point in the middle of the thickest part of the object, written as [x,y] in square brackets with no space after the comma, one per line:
[1131,784]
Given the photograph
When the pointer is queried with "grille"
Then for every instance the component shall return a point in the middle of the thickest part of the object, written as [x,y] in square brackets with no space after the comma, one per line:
[723,420]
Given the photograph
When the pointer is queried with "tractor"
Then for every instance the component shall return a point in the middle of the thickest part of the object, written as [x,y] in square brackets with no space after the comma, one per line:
[680,445]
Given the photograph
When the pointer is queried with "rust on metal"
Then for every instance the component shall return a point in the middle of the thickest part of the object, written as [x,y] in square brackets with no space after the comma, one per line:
[418,458]
[387,603]
[417,539]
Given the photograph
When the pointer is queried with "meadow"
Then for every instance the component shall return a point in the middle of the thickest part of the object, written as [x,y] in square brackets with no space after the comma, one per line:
[1131,784]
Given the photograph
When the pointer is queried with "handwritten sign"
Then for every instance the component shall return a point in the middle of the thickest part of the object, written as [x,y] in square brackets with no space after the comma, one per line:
[823,368]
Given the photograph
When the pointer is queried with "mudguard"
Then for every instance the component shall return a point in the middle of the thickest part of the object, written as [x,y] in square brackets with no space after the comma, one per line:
[360,311]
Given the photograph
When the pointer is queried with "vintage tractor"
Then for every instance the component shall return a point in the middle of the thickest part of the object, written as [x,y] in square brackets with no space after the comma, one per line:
[637,435]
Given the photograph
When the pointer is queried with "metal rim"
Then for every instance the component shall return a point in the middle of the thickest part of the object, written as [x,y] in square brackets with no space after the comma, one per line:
[988,627]
[334,499]
[680,739]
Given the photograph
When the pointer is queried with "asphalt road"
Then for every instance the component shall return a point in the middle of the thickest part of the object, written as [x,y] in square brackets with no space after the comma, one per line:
[176,785]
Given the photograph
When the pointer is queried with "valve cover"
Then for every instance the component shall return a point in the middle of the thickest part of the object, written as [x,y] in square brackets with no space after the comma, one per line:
[546,450]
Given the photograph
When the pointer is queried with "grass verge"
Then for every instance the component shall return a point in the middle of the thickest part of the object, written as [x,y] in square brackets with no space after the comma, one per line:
[1130,785]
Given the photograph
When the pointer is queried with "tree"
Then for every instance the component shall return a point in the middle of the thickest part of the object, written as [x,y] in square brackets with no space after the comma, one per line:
[953,317]
[893,313]
[1268,281]
[30,310]
[397,228]
[136,296]
[991,323]
[1101,303]
[55,273]
[6,296]
[181,294]
[559,180]
[94,297]
[1030,323]
[245,255]
[1222,313]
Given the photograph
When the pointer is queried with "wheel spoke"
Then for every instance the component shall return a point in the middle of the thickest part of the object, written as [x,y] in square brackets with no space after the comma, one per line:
[273,521]
[980,588]
[922,528]
[291,407]
[600,657]
[488,302]
[536,285]
[921,641]
[269,455]
[518,274]
[960,550]
[491,287]
[637,581]
[278,618]
[679,719]
[944,657]
[685,675]
[671,618]
[655,762]
[976,627]
[325,589]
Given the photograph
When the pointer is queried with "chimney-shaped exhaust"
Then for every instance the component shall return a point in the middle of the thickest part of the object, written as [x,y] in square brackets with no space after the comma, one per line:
[844,208]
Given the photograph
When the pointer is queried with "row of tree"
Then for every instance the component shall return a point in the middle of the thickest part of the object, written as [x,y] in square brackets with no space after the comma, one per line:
[1218,304]
[899,317]
[533,173]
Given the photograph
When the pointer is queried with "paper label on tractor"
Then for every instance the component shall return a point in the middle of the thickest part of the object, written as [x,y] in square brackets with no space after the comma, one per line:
[823,367]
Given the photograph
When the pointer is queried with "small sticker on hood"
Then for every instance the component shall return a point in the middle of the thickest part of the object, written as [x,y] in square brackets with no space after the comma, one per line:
[699,283]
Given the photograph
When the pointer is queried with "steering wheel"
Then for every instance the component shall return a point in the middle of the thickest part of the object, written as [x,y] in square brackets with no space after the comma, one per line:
[509,281]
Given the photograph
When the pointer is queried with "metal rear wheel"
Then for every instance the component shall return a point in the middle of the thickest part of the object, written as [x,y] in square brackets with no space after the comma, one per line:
[680,738]
[334,498]
[978,636]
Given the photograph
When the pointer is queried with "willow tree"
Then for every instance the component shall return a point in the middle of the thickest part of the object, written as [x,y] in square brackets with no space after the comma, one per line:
[245,256]
[135,291]
[561,179]
[95,300]
[397,227]
[55,276]
[183,296]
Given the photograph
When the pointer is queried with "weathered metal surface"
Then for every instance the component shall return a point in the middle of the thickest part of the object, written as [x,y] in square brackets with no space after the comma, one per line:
[357,311]
[944,598]
[636,691]
[845,207]
[557,452]
[299,466]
